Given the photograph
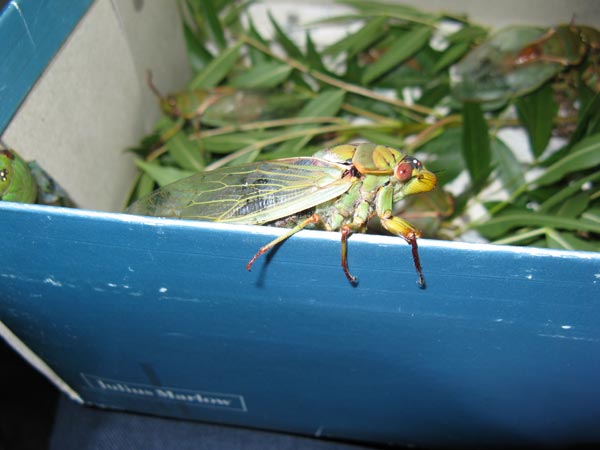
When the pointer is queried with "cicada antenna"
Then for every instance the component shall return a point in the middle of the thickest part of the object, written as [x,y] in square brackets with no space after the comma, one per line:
[151,85]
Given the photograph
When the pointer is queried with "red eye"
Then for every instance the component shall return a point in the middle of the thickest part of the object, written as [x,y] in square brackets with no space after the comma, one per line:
[403,171]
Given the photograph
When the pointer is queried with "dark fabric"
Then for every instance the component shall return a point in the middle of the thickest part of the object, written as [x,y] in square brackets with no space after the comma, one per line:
[84,428]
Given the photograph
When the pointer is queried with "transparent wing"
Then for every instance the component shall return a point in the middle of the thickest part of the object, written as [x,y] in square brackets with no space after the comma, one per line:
[253,193]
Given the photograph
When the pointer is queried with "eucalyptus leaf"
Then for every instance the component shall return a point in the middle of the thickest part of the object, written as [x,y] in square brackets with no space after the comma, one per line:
[231,142]
[383,138]
[185,152]
[468,33]
[217,69]
[510,169]
[589,120]
[476,146]
[452,54]
[583,155]
[213,24]
[163,175]
[501,224]
[288,45]
[255,55]
[358,41]
[537,112]
[394,9]
[261,76]
[325,104]
[198,55]
[564,194]
[569,241]
[403,48]
[144,186]
[576,205]
[312,55]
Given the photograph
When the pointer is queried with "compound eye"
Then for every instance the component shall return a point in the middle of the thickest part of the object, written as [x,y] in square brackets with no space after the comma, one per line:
[404,171]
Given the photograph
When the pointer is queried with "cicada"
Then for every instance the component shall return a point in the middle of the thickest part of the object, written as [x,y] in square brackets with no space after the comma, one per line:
[339,188]
[519,59]
[17,183]
[223,105]
[27,182]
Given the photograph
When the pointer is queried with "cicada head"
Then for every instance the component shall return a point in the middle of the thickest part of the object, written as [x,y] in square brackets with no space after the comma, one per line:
[412,178]
[6,160]
[170,106]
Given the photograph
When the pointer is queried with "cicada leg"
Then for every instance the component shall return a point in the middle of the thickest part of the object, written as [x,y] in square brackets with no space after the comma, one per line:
[399,227]
[346,232]
[315,218]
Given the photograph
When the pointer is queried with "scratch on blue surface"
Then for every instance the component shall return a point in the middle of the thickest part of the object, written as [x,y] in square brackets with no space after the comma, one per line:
[15,5]
[53,282]
[572,338]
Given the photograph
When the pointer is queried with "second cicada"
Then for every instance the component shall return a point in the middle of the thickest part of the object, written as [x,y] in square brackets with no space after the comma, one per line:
[339,188]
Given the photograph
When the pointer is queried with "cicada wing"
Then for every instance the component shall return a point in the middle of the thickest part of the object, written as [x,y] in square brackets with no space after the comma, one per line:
[254,193]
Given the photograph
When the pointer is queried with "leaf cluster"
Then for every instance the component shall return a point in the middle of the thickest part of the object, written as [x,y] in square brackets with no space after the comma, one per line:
[390,82]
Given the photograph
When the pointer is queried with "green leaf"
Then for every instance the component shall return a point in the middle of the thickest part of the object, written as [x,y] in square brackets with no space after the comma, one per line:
[468,33]
[163,175]
[393,9]
[576,205]
[355,43]
[213,24]
[564,194]
[256,56]
[583,155]
[537,112]
[568,241]
[185,152]
[501,224]
[446,163]
[198,56]
[476,143]
[383,138]
[288,45]
[406,45]
[231,142]
[217,69]
[264,75]
[434,94]
[144,186]
[510,170]
[592,215]
[589,120]
[326,104]
[312,56]
[452,54]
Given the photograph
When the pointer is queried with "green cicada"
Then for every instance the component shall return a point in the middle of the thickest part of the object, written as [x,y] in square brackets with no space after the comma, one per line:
[340,188]
[519,59]
[17,183]
[26,182]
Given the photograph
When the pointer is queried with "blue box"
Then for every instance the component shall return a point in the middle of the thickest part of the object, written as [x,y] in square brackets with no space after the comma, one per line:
[160,316]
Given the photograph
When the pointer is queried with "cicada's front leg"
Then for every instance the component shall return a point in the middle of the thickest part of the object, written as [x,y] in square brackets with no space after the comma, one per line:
[399,227]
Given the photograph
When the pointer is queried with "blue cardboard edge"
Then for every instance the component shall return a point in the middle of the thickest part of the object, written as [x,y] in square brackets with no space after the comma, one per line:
[120,304]
[32,33]
[450,249]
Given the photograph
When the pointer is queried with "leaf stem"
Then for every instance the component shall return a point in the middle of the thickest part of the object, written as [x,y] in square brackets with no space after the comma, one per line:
[339,83]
